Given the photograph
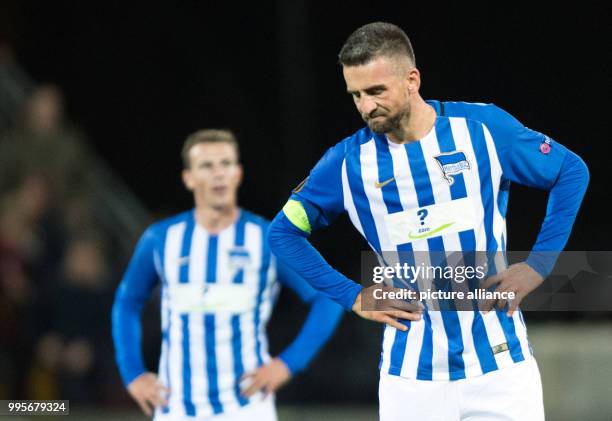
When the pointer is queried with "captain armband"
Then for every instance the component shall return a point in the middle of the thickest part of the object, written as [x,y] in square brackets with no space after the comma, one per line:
[295,212]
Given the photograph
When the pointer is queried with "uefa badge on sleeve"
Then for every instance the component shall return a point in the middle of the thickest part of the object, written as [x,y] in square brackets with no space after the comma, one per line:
[546,145]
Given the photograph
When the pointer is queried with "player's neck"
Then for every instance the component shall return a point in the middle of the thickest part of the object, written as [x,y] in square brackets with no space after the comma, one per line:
[417,125]
[216,219]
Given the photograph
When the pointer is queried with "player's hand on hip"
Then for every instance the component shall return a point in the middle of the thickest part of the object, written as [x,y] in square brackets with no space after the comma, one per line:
[268,378]
[148,392]
[386,310]
[519,278]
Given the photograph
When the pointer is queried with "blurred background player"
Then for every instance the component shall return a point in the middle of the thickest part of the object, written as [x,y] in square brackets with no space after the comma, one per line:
[412,155]
[219,284]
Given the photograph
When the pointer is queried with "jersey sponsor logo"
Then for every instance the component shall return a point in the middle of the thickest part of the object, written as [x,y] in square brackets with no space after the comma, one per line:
[546,145]
[430,233]
[212,298]
[430,221]
[452,163]
[380,185]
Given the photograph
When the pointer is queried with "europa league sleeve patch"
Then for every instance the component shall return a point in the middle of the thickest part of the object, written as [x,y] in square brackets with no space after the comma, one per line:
[546,145]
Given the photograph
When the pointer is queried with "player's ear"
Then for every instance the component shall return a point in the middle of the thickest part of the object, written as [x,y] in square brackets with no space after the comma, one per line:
[413,80]
[187,179]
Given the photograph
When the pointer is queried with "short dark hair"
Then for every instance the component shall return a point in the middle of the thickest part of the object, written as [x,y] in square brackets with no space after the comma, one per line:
[374,40]
[207,136]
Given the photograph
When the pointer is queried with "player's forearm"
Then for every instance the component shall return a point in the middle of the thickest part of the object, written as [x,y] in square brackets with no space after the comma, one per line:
[318,327]
[127,336]
[289,244]
[564,201]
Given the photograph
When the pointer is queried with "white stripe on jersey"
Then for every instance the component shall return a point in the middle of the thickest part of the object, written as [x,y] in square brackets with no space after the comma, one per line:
[247,321]
[349,205]
[197,353]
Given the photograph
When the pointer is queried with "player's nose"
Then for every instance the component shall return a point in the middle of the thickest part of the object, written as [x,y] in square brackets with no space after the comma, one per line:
[367,105]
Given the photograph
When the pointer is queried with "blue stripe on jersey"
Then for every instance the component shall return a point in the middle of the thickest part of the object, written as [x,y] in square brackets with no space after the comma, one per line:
[184,278]
[209,330]
[263,279]
[239,242]
[187,401]
[425,369]
[165,334]
[482,345]
[510,333]
[211,259]
[385,172]
[353,170]
[211,363]
[238,366]
[392,201]
[186,249]
[236,332]
[468,244]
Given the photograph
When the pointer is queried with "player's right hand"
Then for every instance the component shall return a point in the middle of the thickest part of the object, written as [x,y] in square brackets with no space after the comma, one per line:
[390,313]
[148,392]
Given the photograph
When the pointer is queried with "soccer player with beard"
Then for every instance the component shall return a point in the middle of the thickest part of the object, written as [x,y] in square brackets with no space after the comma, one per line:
[455,160]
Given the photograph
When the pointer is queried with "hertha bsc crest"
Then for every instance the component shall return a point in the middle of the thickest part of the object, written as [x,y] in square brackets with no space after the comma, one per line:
[452,163]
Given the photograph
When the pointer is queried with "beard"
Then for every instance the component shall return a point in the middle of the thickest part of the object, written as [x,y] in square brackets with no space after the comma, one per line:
[388,123]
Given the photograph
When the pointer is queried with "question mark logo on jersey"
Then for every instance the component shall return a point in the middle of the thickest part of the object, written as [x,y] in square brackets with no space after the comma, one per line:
[422,213]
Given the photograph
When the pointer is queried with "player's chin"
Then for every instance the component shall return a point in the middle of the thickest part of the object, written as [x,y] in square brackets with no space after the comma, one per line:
[379,126]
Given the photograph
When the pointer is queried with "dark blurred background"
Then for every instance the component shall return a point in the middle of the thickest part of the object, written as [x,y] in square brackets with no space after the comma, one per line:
[97,98]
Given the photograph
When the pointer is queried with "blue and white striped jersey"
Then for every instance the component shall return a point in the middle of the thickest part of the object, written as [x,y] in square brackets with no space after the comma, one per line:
[217,294]
[466,161]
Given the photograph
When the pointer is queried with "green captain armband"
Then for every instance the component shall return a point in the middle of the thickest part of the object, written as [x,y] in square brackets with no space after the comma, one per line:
[295,212]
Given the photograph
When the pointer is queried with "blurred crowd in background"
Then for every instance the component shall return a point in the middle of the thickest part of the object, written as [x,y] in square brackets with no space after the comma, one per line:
[62,248]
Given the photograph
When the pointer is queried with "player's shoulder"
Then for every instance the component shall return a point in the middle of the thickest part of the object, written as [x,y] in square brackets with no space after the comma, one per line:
[342,149]
[159,228]
[252,217]
[487,113]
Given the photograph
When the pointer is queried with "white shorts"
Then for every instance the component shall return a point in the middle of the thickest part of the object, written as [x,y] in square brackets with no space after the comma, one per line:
[512,393]
[263,410]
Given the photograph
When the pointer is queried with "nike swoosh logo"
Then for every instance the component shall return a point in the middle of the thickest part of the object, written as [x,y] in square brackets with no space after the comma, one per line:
[383,184]
[430,233]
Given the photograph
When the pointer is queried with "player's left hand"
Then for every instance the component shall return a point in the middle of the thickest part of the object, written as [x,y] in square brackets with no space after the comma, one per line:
[519,278]
[268,378]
